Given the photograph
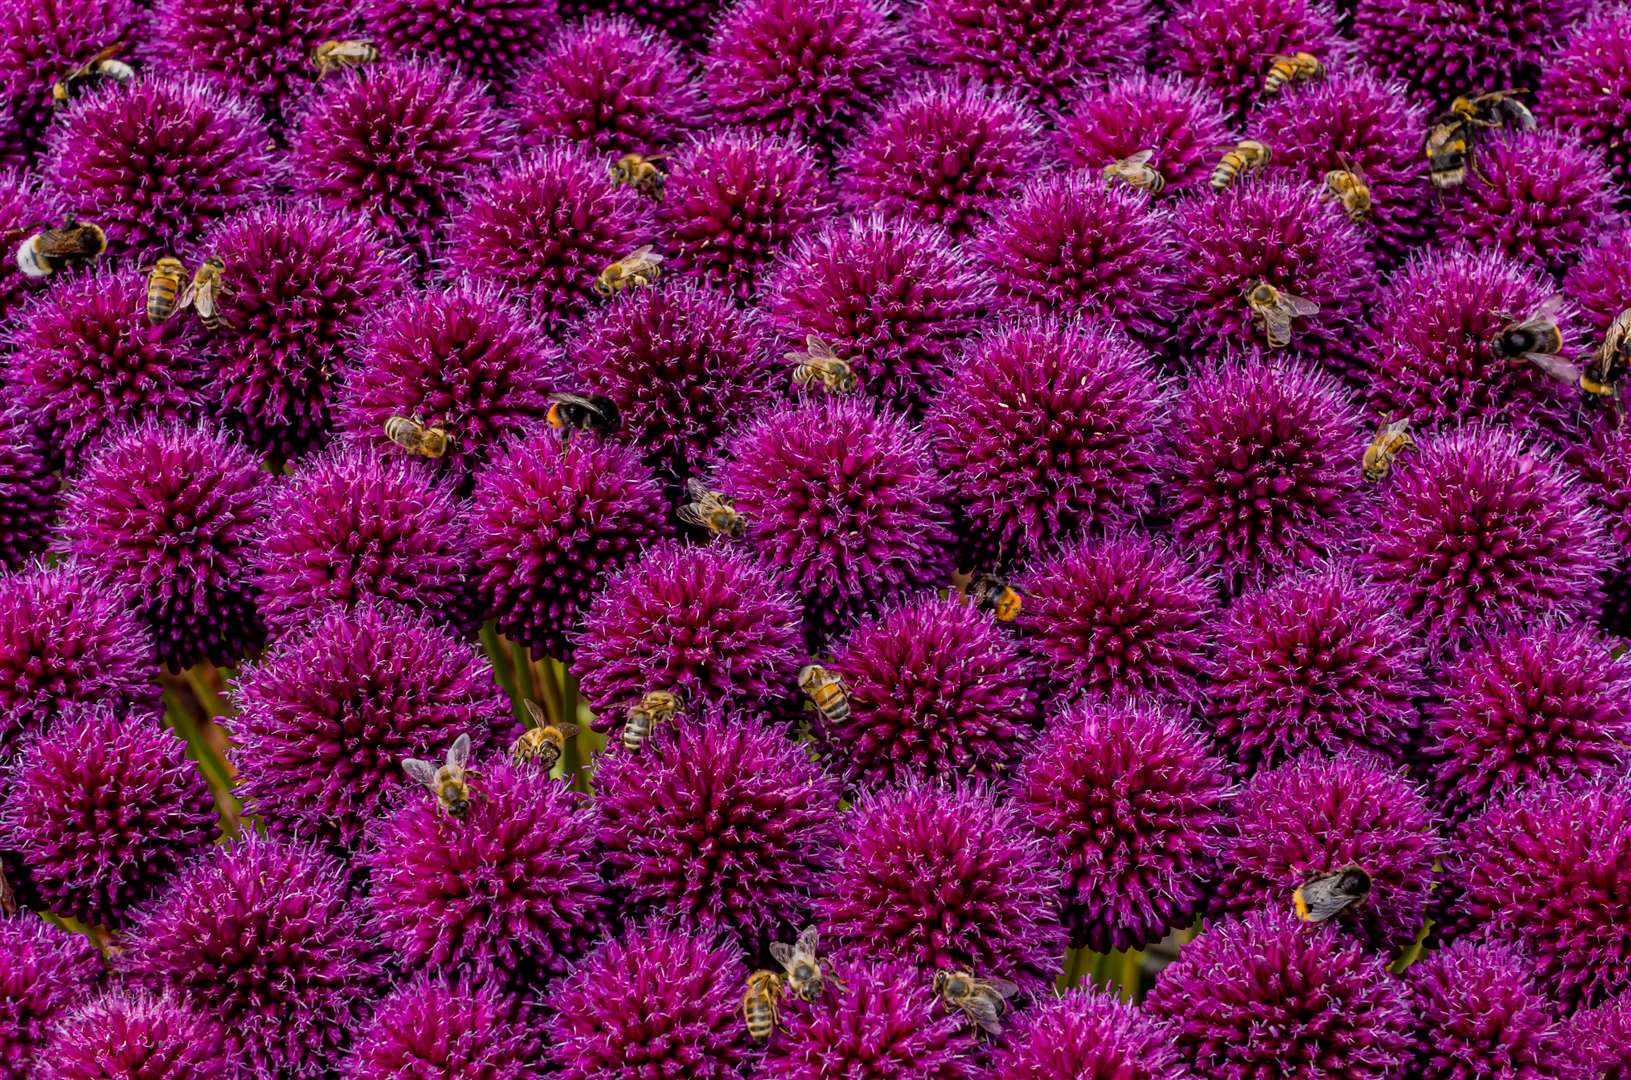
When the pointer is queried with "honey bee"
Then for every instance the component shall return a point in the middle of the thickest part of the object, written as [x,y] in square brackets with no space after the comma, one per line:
[332,56]
[543,743]
[1135,171]
[639,268]
[759,1004]
[1537,339]
[98,69]
[1277,309]
[983,1000]
[1248,156]
[1298,67]
[206,291]
[414,437]
[452,793]
[638,172]
[50,250]
[805,974]
[1391,439]
[1350,189]
[1450,136]
[655,708]
[817,363]
[710,510]
[582,412]
[827,690]
[997,597]
[164,281]
[1329,895]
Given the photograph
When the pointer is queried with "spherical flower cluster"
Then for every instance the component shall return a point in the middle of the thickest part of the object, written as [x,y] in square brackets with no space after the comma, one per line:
[44,970]
[1604,463]
[1181,122]
[487,39]
[1131,799]
[430,1026]
[24,204]
[688,22]
[1225,44]
[1474,46]
[1583,86]
[1603,1037]
[1478,1013]
[136,1036]
[28,491]
[1086,1033]
[38,42]
[1599,285]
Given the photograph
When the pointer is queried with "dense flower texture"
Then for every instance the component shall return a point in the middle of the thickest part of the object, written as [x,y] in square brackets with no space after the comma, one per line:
[1603,1036]
[488,39]
[429,1027]
[44,970]
[1474,45]
[304,282]
[655,1002]
[1585,87]
[326,718]
[610,85]
[1225,44]
[1481,528]
[704,623]
[551,522]
[1478,1013]
[688,22]
[169,513]
[263,937]
[1317,661]
[1604,463]
[136,1036]
[517,893]
[463,358]
[1088,1035]
[350,527]
[1600,283]
[38,42]
[946,154]
[894,298]
[936,690]
[843,503]
[24,204]
[1262,996]
[1184,124]
[1052,428]
[28,492]
[544,229]
[68,638]
[1131,800]
[155,161]
[1120,614]
[103,808]
[946,879]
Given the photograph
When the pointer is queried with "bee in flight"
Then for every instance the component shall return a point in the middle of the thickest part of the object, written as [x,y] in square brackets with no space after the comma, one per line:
[50,250]
[1450,137]
[1276,309]
[638,268]
[1349,188]
[582,412]
[710,510]
[414,437]
[759,1004]
[817,363]
[1297,67]
[1137,172]
[206,291]
[1329,895]
[1248,156]
[165,279]
[982,1000]
[543,743]
[1391,439]
[997,597]
[805,972]
[655,708]
[98,69]
[448,782]
[332,56]
[638,172]
[827,691]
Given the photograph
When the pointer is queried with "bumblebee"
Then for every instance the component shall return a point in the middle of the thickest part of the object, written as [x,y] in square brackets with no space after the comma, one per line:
[805,974]
[98,69]
[1248,156]
[1391,439]
[827,691]
[655,708]
[1329,895]
[1298,67]
[997,597]
[1349,188]
[760,1003]
[1135,171]
[332,56]
[542,744]
[710,510]
[639,172]
[641,267]
[981,1000]
[205,292]
[1450,136]
[416,438]
[448,782]
[164,282]
[1276,309]
[817,363]
[50,250]
[582,412]
[1537,339]
[1601,379]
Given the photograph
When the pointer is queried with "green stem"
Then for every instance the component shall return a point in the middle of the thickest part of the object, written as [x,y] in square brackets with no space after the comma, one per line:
[184,722]
[525,684]
[503,672]
[202,678]
[1131,975]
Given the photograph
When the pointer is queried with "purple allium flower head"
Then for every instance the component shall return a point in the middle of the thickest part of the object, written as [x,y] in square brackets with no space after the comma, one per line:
[1479,1014]
[655,1001]
[169,513]
[1600,283]
[1043,49]
[733,203]
[707,624]
[894,298]
[842,503]
[121,1035]
[432,1027]
[1538,196]
[1264,996]
[1604,463]
[1479,528]
[350,527]
[1287,234]
[156,160]
[551,521]
[304,282]
[946,878]
[1119,615]
[717,825]
[1549,870]
[1603,1038]
[326,718]
[546,227]
[885,1023]
[686,21]
[1225,45]
[1183,122]
[1131,799]
[1316,815]
[67,638]
[1431,355]
[1074,243]
[44,971]
[1585,87]
[1089,1035]
[1318,661]
[397,142]
[487,39]
[610,85]
[103,808]
[518,894]
[1263,467]
[946,154]
[263,937]
[84,359]
[937,690]
[25,205]
[1051,427]
[42,40]
[463,358]
[28,492]
[1474,47]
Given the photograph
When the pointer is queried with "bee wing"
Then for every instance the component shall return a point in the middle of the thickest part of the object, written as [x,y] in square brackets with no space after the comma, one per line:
[1299,306]
[568,730]
[422,771]
[984,1012]
[204,300]
[1323,898]
[537,714]
[1139,159]
[1555,366]
[809,938]
[639,253]
[782,953]
[1003,988]
[188,295]
[819,349]
[692,514]
[696,489]
[458,755]
[1548,310]
[1277,325]
[1397,427]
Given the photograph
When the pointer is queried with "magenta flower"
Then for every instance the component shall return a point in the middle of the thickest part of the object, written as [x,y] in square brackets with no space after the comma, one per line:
[28,492]
[688,22]
[1475,47]
[1604,463]
[1089,1034]
[1183,122]
[429,1026]
[121,1035]
[1603,1038]
[1600,283]
[44,971]
[1225,45]
[487,39]
[1584,86]
[39,42]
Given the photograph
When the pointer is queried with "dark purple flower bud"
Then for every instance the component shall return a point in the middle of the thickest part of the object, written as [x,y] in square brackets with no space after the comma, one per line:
[1585,87]
[136,1036]
[487,39]
[1602,1036]
[44,972]
[1182,122]
[28,492]
[1089,1035]
[430,1027]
